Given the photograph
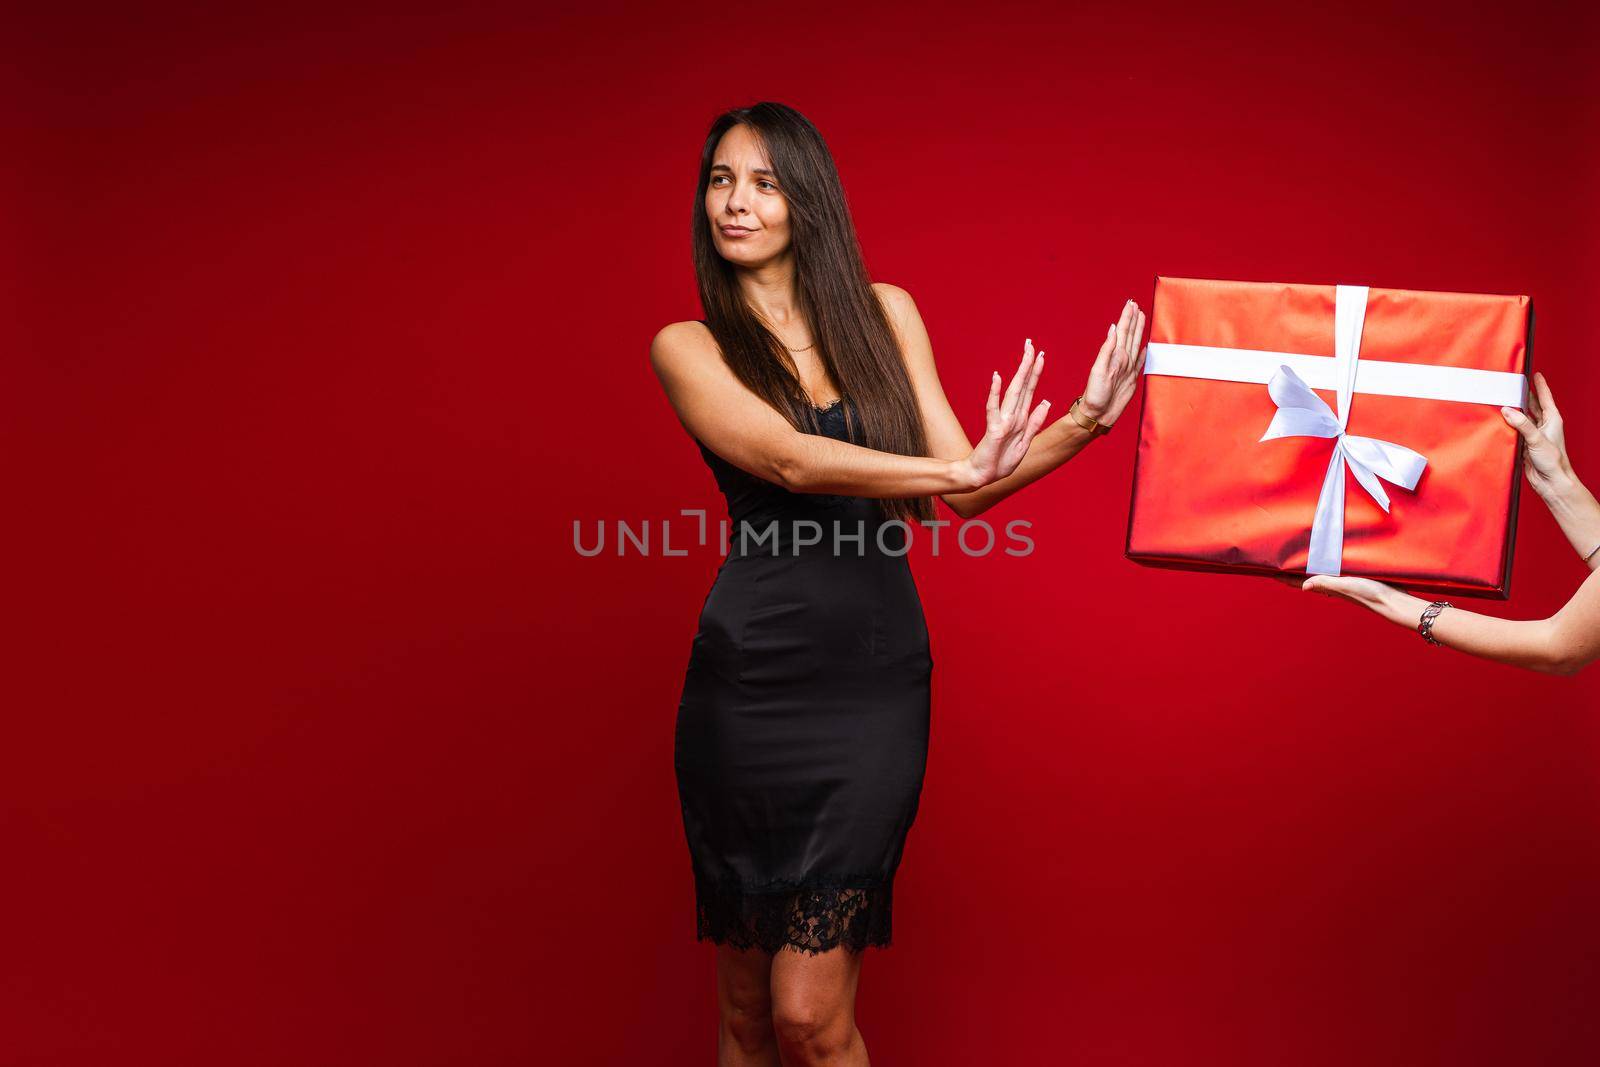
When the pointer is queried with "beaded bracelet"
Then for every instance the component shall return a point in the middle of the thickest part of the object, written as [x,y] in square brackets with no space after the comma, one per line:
[1429,613]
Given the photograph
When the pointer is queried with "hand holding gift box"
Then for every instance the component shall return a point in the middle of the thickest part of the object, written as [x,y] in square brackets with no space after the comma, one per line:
[1242,466]
[1564,642]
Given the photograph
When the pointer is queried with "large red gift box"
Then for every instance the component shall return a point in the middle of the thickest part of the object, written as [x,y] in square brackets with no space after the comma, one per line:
[1279,418]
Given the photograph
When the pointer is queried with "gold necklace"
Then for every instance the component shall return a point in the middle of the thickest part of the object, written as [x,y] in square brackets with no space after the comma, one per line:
[781,342]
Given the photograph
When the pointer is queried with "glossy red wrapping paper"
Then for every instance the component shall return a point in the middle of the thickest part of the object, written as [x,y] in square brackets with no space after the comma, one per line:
[1208,493]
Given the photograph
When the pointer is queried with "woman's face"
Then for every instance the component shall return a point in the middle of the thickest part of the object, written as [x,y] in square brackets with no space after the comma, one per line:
[747,211]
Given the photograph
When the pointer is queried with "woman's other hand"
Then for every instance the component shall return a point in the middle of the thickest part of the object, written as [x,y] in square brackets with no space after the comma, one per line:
[1116,369]
[1560,644]
[1009,428]
[1370,594]
[1544,460]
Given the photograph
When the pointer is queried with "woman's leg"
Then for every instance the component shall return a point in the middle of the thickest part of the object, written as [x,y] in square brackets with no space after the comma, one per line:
[744,1000]
[814,1008]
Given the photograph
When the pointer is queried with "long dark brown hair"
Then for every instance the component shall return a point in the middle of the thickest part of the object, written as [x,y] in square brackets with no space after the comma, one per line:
[849,325]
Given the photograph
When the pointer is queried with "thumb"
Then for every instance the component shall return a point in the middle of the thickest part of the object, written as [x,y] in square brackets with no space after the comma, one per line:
[1524,426]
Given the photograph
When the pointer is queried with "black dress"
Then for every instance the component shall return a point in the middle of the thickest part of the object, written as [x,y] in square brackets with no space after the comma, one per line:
[802,733]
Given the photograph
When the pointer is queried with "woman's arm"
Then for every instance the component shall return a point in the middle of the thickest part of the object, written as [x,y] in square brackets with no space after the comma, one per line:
[721,412]
[1112,380]
[1561,644]
[1578,514]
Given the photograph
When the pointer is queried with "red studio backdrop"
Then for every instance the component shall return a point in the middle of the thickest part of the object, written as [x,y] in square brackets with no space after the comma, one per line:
[323,745]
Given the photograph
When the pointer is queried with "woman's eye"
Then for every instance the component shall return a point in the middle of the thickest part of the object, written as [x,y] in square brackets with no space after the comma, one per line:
[723,177]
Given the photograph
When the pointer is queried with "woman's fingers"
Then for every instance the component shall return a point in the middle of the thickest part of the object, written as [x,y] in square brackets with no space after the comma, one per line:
[1547,403]
[1018,448]
[1127,340]
[1027,377]
[1008,403]
[1123,324]
[1125,348]
[1036,422]
[991,406]
[1533,407]
[1331,585]
[1033,380]
[1102,358]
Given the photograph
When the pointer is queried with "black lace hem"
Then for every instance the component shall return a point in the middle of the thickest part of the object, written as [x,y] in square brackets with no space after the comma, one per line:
[813,915]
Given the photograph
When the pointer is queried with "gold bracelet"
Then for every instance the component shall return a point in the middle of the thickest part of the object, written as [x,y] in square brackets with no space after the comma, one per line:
[1094,427]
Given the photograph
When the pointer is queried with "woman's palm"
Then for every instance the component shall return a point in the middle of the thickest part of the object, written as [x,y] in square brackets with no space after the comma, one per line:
[1009,428]
[1117,367]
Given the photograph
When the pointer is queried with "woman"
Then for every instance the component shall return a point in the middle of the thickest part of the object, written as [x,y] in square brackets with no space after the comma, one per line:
[1561,644]
[802,732]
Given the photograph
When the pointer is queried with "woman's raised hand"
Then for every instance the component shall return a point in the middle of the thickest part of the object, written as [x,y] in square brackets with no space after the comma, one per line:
[1009,427]
[1544,460]
[1116,369]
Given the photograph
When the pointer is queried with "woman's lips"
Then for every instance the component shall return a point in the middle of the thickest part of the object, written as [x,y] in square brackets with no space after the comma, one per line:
[736,231]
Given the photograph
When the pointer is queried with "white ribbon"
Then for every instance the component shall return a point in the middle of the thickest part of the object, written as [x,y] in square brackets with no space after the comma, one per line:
[1376,377]
[1302,413]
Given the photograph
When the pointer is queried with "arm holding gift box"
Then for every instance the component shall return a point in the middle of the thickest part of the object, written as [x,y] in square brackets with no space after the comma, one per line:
[1561,644]
[1544,461]
[1112,380]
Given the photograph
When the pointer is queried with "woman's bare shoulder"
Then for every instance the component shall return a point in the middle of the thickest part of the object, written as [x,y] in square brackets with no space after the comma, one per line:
[679,332]
[681,346]
[896,301]
[691,335]
[892,295]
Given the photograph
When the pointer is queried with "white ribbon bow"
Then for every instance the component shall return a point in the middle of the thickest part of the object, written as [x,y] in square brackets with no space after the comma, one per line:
[1302,413]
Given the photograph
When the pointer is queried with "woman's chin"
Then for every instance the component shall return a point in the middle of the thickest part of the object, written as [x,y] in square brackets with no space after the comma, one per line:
[743,257]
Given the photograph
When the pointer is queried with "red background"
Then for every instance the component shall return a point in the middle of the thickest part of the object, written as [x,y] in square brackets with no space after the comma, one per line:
[323,746]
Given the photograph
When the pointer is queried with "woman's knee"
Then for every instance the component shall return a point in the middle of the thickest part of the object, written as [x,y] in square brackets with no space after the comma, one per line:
[744,996]
[748,1022]
[811,1028]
